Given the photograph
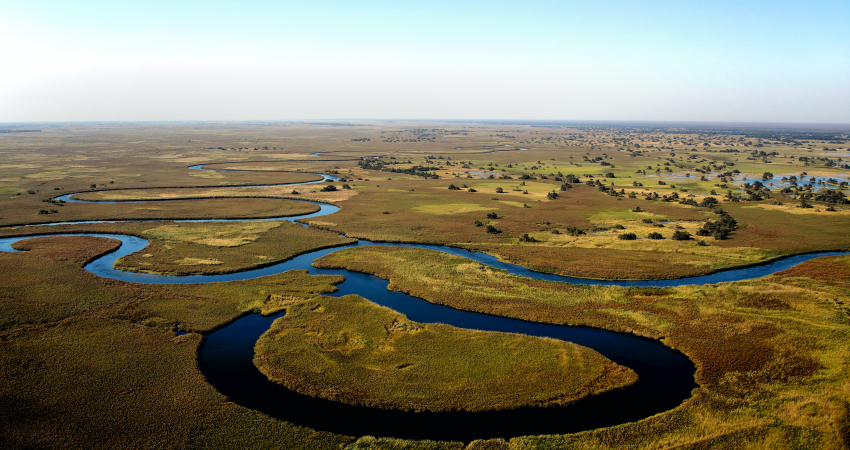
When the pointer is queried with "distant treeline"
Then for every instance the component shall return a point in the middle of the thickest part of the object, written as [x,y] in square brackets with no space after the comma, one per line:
[9,130]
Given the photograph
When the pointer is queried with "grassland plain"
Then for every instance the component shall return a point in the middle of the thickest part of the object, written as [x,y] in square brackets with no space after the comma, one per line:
[426,211]
[203,248]
[771,352]
[349,349]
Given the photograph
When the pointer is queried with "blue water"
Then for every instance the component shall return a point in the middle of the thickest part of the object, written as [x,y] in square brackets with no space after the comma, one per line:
[226,355]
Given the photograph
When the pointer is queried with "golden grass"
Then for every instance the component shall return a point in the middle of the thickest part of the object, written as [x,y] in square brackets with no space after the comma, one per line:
[351,350]
[772,353]
[451,208]
[758,344]
[224,247]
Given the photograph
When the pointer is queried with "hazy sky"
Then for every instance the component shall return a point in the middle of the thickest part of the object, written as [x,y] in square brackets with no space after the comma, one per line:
[764,61]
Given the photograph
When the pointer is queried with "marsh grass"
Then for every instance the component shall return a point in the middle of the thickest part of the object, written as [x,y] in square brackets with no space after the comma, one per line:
[768,352]
[224,247]
[348,349]
[771,353]
[85,363]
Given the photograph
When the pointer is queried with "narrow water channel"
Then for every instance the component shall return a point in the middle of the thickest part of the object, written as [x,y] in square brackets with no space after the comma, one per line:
[666,377]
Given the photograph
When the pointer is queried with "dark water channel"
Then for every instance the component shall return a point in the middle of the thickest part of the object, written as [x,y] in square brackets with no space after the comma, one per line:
[666,377]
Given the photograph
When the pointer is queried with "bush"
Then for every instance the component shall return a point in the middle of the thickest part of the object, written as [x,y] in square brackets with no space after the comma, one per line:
[619,227]
[499,190]
[680,235]
[492,215]
[637,209]
[478,223]
[552,195]
[329,188]
[702,244]
[647,220]
[453,188]
[472,190]
[574,231]
[627,237]
[526,238]
[492,230]
[655,236]
[708,202]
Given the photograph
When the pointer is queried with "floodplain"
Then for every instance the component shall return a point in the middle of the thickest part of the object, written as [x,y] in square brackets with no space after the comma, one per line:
[100,363]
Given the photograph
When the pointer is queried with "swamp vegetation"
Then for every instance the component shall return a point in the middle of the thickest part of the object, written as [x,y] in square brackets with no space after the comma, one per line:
[89,362]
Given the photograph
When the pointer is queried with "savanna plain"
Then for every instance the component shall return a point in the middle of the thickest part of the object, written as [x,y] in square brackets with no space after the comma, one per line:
[93,362]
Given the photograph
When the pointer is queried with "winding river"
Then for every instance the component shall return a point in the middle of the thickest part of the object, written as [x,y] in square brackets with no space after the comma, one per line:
[225,356]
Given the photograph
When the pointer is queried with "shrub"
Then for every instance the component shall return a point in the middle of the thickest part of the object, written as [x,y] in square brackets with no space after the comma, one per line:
[492,230]
[499,190]
[329,188]
[655,236]
[627,237]
[472,190]
[680,235]
[478,223]
[492,215]
[619,227]
[526,238]
[637,209]
[708,202]
[574,231]
[453,188]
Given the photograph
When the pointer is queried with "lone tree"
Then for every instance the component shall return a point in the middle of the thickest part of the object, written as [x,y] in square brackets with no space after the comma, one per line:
[526,238]
[681,235]
[708,202]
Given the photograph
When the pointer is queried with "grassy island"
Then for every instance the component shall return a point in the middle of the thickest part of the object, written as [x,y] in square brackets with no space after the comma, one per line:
[349,349]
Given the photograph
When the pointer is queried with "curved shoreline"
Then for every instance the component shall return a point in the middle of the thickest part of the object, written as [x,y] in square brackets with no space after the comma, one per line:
[666,375]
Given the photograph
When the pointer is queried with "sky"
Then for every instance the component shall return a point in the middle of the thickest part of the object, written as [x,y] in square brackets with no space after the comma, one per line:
[735,61]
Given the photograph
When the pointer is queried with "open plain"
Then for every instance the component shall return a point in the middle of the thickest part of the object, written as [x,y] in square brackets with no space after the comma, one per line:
[89,361]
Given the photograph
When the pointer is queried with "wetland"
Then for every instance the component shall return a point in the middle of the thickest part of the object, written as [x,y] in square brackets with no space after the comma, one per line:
[748,312]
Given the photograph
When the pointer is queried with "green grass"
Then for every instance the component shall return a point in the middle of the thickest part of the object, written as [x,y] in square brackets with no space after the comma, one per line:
[351,350]
[224,247]
[770,353]
[87,362]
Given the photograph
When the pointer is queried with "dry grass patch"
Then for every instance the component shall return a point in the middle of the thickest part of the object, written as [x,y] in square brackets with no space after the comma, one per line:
[351,350]
[224,247]
[770,353]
